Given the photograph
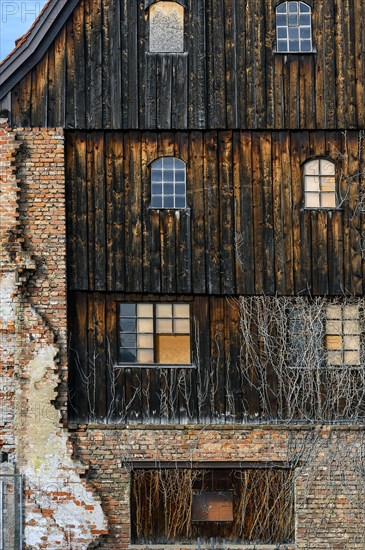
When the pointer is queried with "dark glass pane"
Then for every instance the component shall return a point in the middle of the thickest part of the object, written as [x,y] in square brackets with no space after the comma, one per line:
[128,340]
[305,32]
[168,189]
[306,46]
[281,8]
[282,46]
[305,20]
[180,164]
[294,46]
[168,162]
[157,163]
[127,310]
[127,325]
[128,355]
[180,202]
[294,33]
[156,202]
[168,175]
[281,20]
[180,189]
[304,8]
[282,32]
[293,20]
[169,202]
[180,175]
[156,176]
[293,7]
[157,189]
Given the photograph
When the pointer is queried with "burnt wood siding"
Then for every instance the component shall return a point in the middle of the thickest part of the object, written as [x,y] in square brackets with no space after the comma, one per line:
[101,392]
[245,230]
[98,72]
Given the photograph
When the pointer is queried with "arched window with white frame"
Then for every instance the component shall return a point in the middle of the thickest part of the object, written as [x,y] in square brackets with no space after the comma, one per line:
[166,27]
[320,183]
[293,28]
[168,183]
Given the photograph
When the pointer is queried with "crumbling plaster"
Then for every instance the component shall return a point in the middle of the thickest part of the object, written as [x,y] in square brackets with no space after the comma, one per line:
[60,508]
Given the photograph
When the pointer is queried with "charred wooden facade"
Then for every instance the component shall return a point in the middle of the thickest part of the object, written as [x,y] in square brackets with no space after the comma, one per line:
[98,72]
[244,119]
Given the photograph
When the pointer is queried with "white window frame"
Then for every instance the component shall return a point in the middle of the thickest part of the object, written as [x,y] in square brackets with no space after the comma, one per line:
[168,183]
[319,178]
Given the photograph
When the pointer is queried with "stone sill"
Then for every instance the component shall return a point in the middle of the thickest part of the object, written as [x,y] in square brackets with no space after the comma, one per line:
[218,427]
[209,547]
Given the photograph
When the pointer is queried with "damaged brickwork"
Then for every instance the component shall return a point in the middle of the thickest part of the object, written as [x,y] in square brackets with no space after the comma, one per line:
[327,464]
[60,511]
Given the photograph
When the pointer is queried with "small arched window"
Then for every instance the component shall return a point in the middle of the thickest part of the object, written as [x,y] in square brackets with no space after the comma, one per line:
[166,22]
[168,183]
[319,184]
[293,28]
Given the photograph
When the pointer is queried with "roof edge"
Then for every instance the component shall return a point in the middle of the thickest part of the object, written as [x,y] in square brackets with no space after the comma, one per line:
[34,44]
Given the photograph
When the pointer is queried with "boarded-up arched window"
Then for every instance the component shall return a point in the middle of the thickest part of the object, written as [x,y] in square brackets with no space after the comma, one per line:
[320,184]
[293,28]
[166,21]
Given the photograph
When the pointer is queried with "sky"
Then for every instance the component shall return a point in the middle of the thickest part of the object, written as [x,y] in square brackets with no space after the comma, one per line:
[16,17]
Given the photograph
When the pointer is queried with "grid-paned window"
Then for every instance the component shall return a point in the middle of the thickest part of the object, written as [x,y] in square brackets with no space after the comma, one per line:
[154,333]
[343,332]
[319,184]
[168,183]
[293,28]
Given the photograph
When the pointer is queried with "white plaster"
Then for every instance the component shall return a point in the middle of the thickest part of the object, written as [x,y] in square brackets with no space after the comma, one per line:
[7,288]
[44,459]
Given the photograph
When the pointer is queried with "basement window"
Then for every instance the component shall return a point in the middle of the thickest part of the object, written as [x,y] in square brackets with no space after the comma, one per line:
[166,22]
[320,184]
[154,333]
[342,339]
[182,505]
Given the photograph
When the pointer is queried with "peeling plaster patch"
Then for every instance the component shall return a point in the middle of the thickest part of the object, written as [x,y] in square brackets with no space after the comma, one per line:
[7,289]
[44,455]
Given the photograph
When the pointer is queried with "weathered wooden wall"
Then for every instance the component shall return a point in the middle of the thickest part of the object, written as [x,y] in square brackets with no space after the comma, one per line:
[245,231]
[98,391]
[98,73]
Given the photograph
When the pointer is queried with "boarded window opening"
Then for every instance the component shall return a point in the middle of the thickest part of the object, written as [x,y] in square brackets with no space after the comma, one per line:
[166,21]
[230,505]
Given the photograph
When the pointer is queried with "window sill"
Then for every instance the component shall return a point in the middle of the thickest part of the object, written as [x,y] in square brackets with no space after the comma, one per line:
[172,54]
[314,51]
[153,366]
[169,209]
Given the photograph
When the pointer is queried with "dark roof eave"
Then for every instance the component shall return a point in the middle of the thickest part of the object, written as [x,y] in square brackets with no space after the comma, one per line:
[30,51]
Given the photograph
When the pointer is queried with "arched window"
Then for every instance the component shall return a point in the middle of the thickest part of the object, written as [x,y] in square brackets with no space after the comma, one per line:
[319,184]
[168,183]
[293,28]
[166,21]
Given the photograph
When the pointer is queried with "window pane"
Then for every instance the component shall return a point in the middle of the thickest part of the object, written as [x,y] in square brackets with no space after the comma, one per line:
[294,45]
[163,310]
[351,342]
[281,20]
[145,341]
[145,356]
[328,200]
[333,342]
[169,189]
[128,340]
[169,202]
[145,325]
[156,202]
[180,202]
[304,8]
[293,19]
[173,349]
[164,326]
[306,46]
[145,310]
[334,327]
[334,312]
[311,168]
[281,8]
[311,183]
[182,326]
[168,175]
[282,32]
[282,46]
[168,162]
[335,358]
[157,189]
[305,32]
[351,312]
[127,325]
[128,355]
[128,310]
[294,32]
[305,20]
[351,327]
[156,176]
[327,168]
[293,7]
[180,176]
[312,200]
[352,358]
[182,311]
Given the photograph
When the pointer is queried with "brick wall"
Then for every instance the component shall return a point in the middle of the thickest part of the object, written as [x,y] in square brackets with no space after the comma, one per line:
[60,509]
[328,471]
